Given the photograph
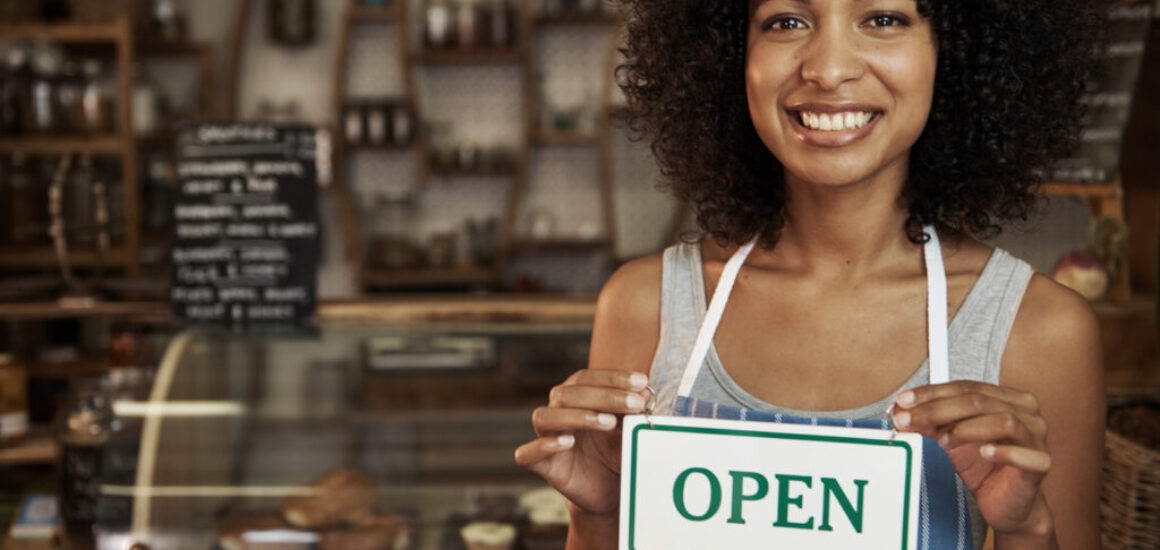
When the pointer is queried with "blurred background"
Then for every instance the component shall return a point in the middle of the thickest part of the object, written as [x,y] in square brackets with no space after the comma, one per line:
[474,188]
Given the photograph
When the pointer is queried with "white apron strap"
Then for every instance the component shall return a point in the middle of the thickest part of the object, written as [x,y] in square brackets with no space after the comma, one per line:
[713,317]
[936,282]
[936,309]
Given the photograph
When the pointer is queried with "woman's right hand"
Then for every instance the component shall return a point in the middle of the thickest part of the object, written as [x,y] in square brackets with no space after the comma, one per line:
[577,449]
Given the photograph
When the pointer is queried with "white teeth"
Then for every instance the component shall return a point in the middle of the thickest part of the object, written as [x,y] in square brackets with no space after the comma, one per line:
[836,121]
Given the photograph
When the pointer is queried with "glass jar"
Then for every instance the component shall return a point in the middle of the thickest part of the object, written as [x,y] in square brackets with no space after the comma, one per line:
[13,401]
[401,126]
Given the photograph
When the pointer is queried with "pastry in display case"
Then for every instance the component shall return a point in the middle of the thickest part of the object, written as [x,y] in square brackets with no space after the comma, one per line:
[346,437]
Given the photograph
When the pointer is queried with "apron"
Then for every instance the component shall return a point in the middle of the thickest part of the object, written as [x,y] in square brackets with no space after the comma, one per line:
[944,521]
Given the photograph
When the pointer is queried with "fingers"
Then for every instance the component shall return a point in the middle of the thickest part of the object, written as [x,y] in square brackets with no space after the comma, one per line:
[924,394]
[1037,463]
[1004,427]
[551,420]
[608,378]
[533,455]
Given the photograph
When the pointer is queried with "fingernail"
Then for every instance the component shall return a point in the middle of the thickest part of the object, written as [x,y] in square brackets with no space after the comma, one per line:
[634,402]
[902,419]
[987,450]
[606,419]
[905,398]
[638,380]
[565,441]
[945,439]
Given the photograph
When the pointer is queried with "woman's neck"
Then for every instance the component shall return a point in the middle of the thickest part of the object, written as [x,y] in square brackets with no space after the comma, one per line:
[844,231]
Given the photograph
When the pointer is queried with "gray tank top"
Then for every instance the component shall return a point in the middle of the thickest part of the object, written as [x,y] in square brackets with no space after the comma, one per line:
[976,339]
[977,336]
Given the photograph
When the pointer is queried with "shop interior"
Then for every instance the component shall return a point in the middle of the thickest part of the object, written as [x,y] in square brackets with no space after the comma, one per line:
[471,184]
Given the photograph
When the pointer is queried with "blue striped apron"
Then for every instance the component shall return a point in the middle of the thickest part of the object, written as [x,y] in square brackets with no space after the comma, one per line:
[943,520]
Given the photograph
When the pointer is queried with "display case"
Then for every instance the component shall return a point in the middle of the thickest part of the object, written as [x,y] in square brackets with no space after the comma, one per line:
[379,435]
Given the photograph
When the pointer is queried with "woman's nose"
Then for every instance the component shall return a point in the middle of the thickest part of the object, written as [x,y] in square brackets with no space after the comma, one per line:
[831,58]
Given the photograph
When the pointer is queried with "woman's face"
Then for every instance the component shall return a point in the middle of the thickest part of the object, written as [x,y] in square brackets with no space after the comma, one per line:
[839,90]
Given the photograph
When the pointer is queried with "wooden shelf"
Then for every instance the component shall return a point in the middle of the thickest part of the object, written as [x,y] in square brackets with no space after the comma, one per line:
[64,32]
[568,138]
[85,366]
[580,18]
[53,145]
[429,276]
[485,172]
[38,448]
[563,244]
[45,257]
[54,310]
[453,56]
[389,147]
[160,50]
[1081,189]
[363,13]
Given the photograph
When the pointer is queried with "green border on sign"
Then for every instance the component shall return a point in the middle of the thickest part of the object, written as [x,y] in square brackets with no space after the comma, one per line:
[773,435]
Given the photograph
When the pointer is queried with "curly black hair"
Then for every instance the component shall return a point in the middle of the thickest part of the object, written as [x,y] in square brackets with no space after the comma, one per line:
[1006,106]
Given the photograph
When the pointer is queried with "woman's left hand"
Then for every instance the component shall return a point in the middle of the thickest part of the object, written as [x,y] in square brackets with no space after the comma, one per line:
[996,439]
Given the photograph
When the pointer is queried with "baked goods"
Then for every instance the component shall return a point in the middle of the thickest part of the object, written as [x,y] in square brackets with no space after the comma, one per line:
[548,519]
[233,529]
[377,532]
[486,535]
[338,498]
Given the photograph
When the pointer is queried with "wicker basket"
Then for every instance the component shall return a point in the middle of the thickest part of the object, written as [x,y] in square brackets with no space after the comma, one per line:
[1130,504]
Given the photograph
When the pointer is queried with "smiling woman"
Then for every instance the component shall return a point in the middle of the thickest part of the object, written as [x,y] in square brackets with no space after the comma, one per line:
[979,154]
[841,156]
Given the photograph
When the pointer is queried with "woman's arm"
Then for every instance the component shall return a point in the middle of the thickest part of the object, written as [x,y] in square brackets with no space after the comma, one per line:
[1030,448]
[1053,353]
[575,453]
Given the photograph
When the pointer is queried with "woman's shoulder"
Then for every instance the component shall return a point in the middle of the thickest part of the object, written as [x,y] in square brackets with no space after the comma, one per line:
[626,328]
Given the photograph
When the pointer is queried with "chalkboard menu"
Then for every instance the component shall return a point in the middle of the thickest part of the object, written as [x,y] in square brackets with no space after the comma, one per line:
[246,225]
[1109,96]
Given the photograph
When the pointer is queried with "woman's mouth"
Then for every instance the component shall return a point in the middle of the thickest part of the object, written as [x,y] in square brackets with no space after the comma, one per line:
[833,128]
[831,122]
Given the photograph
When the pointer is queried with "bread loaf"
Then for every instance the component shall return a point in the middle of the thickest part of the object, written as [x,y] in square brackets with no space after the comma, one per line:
[339,498]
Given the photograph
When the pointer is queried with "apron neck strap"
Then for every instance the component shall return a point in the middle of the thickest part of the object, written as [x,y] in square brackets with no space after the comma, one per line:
[936,313]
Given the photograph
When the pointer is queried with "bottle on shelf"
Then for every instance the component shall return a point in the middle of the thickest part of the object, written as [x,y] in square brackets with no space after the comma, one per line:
[43,116]
[467,24]
[499,23]
[13,401]
[23,203]
[15,91]
[146,104]
[438,25]
[97,99]
[70,98]
[82,438]
[79,206]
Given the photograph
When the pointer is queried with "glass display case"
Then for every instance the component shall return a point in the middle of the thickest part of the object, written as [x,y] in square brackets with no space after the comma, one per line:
[347,437]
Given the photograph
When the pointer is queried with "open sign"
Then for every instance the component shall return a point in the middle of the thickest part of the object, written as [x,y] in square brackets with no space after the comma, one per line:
[705,484]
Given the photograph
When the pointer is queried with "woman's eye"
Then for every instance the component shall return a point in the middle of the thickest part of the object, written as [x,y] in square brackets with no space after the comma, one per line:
[887,20]
[784,23]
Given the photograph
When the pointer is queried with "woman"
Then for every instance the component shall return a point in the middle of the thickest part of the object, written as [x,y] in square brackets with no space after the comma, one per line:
[834,149]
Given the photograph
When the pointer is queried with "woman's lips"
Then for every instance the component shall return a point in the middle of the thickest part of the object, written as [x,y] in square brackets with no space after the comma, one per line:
[855,124]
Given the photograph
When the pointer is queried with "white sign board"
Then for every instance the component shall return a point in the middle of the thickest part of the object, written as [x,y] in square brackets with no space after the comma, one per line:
[707,484]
